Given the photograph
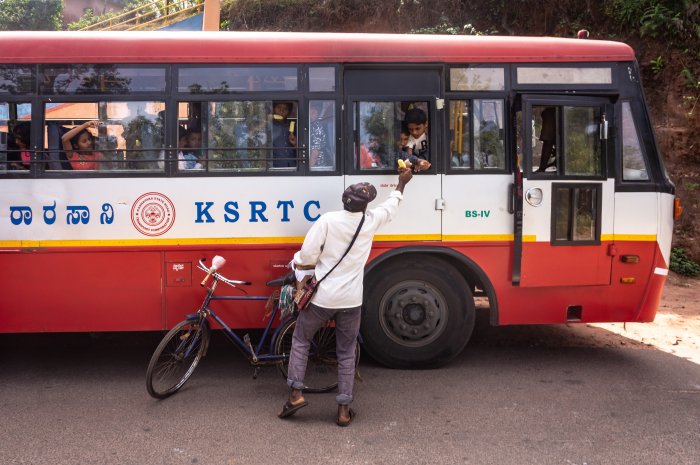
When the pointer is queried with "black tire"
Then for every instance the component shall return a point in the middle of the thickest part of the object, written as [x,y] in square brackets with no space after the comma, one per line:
[418,313]
[322,367]
[176,357]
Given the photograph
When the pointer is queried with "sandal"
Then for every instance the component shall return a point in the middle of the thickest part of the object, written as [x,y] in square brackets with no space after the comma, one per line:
[290,409]
[351,417]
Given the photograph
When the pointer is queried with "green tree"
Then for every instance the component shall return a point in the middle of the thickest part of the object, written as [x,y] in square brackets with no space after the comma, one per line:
[31,15]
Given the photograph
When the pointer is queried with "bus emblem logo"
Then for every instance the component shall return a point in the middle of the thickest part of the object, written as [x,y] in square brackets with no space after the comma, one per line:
[153,214]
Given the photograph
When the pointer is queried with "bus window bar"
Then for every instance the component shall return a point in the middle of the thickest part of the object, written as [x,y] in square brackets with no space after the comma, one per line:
[120,156]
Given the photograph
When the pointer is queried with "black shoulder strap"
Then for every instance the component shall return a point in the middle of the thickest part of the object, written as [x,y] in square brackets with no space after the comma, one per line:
[362,221]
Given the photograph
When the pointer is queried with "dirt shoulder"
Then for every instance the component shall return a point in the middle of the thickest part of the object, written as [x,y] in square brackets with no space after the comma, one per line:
[676,328]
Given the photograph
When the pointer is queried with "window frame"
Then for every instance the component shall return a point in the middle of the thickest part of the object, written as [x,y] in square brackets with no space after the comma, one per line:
[572,186]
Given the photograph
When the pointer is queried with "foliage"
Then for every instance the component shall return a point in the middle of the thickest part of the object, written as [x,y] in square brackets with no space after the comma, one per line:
[657,64]
[31,15]
[682,264]
[449,29]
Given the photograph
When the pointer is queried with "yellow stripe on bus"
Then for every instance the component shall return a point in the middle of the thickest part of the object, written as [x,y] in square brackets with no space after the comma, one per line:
[477,237]
[153,242]
[608,237]
[298,240]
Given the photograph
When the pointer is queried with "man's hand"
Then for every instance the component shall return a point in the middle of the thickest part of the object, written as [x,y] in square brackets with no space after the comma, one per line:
[405,175]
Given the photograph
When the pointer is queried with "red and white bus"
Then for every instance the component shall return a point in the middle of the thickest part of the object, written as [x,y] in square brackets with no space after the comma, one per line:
[547,193]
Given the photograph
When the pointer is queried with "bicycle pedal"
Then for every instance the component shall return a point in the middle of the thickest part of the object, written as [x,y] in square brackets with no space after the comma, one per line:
[256,372]
[246,339]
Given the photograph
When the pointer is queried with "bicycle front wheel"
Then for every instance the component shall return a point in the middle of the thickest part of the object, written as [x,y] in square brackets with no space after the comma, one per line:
[322,367]
[176,357]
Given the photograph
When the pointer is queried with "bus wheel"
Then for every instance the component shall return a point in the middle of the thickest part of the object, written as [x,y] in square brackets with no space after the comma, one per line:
[419,313]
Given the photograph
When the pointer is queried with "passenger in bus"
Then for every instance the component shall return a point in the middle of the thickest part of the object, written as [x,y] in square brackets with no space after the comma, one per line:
[191,156]
[284,139]
[21,155]
[548,136]
[339,294]
[79,145]
[417,147]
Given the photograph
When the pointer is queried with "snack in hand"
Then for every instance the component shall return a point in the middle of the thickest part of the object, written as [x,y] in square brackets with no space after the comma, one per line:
[402,164]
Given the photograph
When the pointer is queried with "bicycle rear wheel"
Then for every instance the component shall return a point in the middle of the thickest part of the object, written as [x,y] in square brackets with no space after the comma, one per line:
[322,367]
[176,357]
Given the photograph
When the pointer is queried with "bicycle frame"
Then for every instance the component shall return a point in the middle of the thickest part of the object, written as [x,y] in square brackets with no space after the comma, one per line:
[255,355]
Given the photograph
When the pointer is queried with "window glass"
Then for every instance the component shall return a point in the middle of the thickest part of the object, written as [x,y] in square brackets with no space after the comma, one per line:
[389,131]
[15,137]
[242,135]
[566,140]
[222,80]
[554,75]
[582,146]
[576,213]
[477,79]
[489,146]
[101,79]
[322,79]
[105,136]
[16,80]
[634,165]
[545,143]
[322,135]
[460,135]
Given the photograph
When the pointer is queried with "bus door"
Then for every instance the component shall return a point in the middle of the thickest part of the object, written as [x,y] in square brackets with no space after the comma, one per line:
[567,205]
[377,105]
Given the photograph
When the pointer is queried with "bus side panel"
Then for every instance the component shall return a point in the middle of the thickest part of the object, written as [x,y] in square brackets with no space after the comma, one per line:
[74,290]
[547,305]
[255,263]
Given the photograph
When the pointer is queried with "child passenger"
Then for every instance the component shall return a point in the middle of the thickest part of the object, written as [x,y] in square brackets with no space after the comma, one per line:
[79,145]
[417,145]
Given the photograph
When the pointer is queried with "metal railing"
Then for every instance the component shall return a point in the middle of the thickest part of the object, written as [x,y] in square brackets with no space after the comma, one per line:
[153,15]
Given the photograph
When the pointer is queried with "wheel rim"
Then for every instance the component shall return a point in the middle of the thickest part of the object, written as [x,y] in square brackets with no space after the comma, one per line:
[178,359]
[413,313]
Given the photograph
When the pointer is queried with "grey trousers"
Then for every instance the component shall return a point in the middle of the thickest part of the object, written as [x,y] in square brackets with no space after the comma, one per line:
[347,327]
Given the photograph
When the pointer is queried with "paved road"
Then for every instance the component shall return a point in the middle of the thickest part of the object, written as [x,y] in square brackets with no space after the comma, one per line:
[520,395]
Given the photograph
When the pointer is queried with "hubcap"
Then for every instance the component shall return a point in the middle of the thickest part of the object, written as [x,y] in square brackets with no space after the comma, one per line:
[413,313]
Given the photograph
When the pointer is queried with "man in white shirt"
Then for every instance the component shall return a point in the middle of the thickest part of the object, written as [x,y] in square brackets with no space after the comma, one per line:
[339,296]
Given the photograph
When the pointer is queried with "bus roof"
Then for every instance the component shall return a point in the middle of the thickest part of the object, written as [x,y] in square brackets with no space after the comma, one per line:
[285,47]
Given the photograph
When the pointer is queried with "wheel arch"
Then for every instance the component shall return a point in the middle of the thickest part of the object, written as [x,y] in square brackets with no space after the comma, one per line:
[472,273]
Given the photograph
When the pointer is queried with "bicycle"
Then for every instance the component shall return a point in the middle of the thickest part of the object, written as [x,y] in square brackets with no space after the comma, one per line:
[183,347]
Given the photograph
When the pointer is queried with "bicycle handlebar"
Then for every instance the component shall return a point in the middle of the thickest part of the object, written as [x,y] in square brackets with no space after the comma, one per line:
[218,276]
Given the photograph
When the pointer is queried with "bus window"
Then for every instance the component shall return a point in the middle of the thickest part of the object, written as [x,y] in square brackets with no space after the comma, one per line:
[576,208]
[17,80]
[566,140]
[128,137]
[15,136]
[322,135]
[460,135]
[580,132]
[544,138]
[225,79]
[379,138]
[241,135]
[101,79]
[483,119]
[322,79]
[634,164]
[489,146]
